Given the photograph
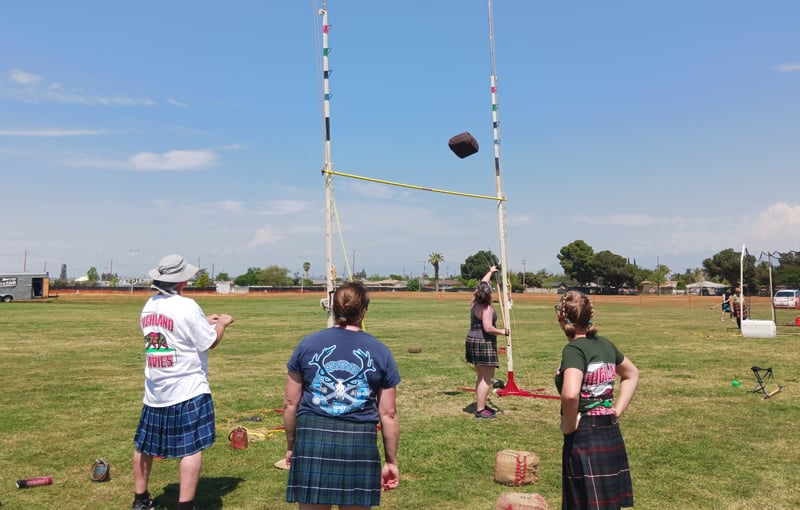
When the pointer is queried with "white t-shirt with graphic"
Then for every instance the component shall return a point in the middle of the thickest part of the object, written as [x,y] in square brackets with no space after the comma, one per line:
[177,337]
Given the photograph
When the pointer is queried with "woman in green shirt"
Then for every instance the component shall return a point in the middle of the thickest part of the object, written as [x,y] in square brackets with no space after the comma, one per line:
[595,470]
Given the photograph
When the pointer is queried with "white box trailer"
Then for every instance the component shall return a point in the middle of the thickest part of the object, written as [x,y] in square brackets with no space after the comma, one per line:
[24,286]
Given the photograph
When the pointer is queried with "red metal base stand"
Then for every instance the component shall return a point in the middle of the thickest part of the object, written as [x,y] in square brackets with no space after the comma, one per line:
[511,390]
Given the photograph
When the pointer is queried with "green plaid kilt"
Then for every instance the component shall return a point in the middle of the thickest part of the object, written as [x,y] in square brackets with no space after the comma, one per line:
[334,462]
[595,470]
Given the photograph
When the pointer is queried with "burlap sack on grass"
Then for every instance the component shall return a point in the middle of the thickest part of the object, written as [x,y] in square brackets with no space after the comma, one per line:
[515,467]
[520,501]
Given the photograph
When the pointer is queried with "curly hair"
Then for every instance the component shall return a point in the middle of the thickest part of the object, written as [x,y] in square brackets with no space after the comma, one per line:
[576,310]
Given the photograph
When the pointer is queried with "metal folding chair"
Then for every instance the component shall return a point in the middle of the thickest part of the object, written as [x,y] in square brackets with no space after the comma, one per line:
[763,377]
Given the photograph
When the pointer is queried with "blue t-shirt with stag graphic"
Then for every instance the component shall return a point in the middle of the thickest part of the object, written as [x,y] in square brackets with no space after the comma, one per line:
[342,373]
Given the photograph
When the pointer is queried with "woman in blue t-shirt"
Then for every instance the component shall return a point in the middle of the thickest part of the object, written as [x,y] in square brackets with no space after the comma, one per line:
[595,472]
[341,384]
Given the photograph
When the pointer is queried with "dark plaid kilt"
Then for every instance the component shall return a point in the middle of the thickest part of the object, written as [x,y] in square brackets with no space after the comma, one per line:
[176,431]
[334,462]
[738,309]
[482,352]
[595,471]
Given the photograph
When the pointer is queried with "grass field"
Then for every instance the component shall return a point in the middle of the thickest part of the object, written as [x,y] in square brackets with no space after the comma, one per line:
[72,377]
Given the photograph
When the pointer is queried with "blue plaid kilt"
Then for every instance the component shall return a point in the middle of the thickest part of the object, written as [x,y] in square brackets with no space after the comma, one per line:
[176,431]
[595,470]
[481,351]
[334,462]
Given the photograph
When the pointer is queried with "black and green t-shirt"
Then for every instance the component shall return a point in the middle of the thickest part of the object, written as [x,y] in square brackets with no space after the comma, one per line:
[597,358]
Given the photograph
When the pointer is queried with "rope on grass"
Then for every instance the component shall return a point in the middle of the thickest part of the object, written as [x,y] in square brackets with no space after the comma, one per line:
[254,416]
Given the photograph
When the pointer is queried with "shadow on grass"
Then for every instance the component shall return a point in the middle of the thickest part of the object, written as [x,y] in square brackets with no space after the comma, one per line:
[472,406]
[209,492]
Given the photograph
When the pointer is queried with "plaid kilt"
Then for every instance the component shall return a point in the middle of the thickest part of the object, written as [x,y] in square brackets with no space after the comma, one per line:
[334,462]
[177,431]
[481,351]
[738,309]
[595,471]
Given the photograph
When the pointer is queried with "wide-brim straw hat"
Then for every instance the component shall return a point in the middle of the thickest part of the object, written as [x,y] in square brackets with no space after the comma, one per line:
[173,269]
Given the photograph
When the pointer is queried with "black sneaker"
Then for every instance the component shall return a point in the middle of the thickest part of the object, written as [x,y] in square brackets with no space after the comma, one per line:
[144,504]
[485,414]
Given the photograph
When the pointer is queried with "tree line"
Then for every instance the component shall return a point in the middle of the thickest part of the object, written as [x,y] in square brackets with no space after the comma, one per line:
[584,266]
[581,265]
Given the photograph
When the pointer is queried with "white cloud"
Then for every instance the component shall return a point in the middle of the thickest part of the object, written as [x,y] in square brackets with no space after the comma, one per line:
[79,97]
[177,104]
[56,92]
[791,67]
[231,206]
[264,236]
[23,77]
[284,207]
[684,241]
[173,160]
[52,132]
[780,220]
[372,190]
[177,160]
[624,220]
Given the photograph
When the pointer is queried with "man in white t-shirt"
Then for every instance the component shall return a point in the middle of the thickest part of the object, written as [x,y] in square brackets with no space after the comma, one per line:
[177,418]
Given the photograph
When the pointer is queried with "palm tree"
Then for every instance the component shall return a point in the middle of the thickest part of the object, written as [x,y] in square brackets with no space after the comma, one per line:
[306,268]
[435,259]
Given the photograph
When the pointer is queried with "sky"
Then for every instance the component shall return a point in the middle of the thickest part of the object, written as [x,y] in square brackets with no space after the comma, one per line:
[663,132]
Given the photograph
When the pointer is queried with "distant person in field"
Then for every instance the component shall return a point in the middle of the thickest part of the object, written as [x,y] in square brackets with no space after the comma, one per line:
[726,305]
[177,420]
[595,472]
[341,384]
[481,344]
[738,307]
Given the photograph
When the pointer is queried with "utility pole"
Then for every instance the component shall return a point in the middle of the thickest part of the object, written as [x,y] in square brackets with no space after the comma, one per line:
[658,269]
[523,273]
